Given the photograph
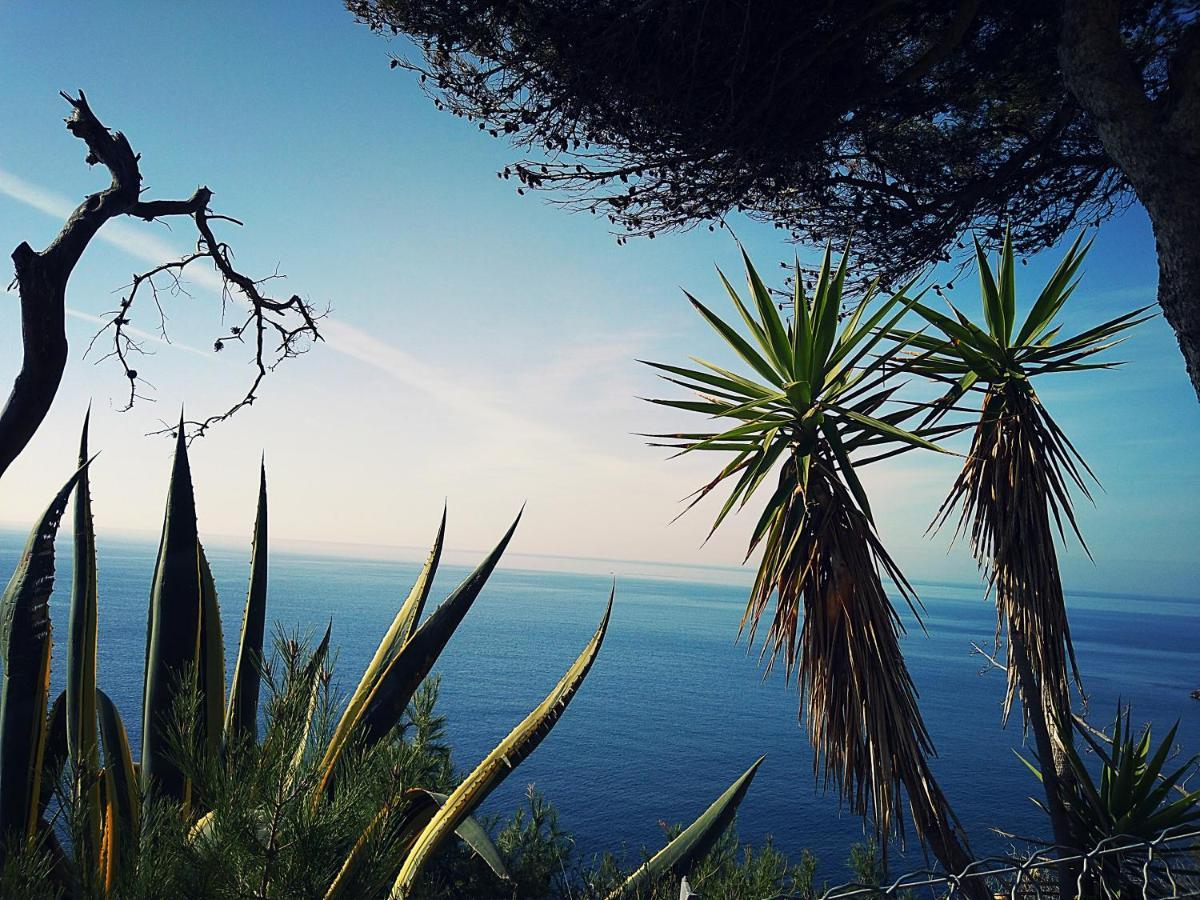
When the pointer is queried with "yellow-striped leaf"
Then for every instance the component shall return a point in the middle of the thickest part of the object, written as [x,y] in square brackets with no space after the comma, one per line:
[509,754]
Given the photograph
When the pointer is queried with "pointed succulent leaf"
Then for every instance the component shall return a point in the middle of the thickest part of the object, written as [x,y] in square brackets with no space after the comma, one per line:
[690,846]
[173,628]
[25,650]
[56,754]
[403,675]
[122,798]
[79,704]
[241,722]
[401,631]
[310,680]
[82,631]
[412,813]
[509,754]
[211,658]
[399,679]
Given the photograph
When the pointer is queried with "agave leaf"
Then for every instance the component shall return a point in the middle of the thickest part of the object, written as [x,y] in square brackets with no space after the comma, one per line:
[507,755]
[203,827]
[174,625]
[25,648]
[82,739]
[421,805]
[401,631]
[121,820]
[476,837]
[241,722]
[211,658]
[56,753]
[311,679]
[690,846]
[110,836]
[375,715]
[123,799]
[414,811]
[344,880]
[403,675]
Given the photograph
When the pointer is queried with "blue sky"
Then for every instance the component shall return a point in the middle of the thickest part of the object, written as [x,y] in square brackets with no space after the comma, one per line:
[482,345]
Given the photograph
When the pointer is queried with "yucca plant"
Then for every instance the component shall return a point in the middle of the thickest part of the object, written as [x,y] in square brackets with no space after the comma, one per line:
[1014,492]
[814,407]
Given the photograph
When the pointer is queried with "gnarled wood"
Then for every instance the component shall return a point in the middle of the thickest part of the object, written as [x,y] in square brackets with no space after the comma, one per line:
[42,276]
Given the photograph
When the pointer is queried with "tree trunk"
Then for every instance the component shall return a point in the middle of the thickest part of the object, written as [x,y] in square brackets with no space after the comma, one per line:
[1155,142]
[44,348]
[42,281]
[1050,733]
[1176,223]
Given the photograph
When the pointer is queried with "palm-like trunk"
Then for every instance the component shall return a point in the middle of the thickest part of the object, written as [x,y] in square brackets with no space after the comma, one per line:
[1016,479]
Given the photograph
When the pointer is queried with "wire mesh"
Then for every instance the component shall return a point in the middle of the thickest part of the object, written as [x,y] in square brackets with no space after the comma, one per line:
[1118,868]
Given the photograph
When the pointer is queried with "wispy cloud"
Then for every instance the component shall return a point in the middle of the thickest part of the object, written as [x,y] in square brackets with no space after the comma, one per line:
[448,388]
[141,335]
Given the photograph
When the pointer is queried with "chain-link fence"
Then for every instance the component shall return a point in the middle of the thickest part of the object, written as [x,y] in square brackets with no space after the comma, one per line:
[1167,866]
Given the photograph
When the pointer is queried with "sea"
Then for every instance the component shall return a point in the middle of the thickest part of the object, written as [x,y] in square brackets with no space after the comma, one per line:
[675,708]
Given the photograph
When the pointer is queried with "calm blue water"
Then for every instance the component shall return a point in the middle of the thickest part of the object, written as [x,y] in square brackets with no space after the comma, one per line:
[673,710]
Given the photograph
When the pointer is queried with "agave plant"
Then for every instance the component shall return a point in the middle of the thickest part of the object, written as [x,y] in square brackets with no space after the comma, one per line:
[1014,492]
[324,784]
[111,795]
[1136,799]
[814,407]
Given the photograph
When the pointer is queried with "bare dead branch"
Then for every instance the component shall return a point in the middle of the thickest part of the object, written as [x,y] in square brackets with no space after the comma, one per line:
[282,328]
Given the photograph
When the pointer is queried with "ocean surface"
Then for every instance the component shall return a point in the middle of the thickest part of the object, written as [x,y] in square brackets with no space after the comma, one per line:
[673,710]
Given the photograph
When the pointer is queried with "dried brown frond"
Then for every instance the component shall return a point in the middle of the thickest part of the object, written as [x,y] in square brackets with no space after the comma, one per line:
[1016,479]
[838,633]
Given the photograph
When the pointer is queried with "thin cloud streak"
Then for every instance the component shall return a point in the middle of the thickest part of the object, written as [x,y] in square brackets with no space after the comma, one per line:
[473,399]
[142,335]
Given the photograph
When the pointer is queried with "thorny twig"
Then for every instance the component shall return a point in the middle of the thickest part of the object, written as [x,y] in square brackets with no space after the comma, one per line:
[279,328]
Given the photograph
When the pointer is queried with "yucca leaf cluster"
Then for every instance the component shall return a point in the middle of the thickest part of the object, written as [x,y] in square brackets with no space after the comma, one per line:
[818,396]
[819,392]
[1014,491]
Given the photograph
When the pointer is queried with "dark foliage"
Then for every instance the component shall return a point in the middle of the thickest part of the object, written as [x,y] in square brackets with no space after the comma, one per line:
[903,123]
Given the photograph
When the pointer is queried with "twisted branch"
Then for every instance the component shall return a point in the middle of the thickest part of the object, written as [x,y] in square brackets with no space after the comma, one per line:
[282,328]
